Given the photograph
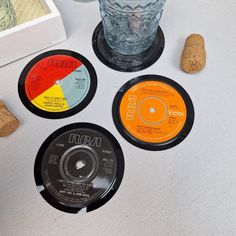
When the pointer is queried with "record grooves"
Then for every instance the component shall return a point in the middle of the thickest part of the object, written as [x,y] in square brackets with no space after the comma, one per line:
[79,167]
[153,112]
[127,63]
[57,84]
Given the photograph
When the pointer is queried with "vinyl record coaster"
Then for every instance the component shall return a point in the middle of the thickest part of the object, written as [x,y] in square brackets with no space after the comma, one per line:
[57,84]
[153,112]
[79,167]
[127,63]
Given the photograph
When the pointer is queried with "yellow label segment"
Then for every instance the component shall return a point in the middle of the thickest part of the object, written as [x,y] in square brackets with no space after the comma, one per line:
[52,100]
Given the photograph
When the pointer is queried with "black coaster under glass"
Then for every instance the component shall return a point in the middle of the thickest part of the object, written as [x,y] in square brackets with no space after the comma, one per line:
[127,63]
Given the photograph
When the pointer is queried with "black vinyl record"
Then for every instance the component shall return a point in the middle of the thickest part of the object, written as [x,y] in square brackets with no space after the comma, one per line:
[127,63]
[153,112]
[79,167]
[57,84]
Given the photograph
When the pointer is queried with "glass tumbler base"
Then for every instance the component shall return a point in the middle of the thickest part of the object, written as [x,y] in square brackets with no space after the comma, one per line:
[127,63]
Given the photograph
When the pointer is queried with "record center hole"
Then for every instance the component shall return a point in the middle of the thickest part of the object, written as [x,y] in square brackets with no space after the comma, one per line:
[80,164]
[152,110]
[58,82]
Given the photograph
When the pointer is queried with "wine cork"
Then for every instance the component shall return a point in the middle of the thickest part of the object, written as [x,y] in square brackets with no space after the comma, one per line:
[2,104]
[193,57]
[8,122]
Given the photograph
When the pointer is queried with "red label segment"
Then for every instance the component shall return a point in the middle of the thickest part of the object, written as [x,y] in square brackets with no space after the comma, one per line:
[46,72]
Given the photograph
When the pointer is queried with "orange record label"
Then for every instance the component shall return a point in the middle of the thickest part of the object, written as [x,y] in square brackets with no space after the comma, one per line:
[153,112]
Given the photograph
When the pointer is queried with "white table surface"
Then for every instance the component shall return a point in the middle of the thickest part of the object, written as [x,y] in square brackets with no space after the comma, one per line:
[187,190]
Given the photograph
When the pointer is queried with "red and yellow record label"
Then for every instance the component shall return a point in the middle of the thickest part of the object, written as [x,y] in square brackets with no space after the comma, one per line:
[153,112]
[57,83]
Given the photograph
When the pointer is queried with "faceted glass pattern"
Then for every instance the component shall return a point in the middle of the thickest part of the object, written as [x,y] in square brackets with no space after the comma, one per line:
[130,26]
[7,15]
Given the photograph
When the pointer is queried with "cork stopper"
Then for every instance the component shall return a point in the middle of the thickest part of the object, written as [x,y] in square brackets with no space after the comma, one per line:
[2,104]
[193,57]
[8,122]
